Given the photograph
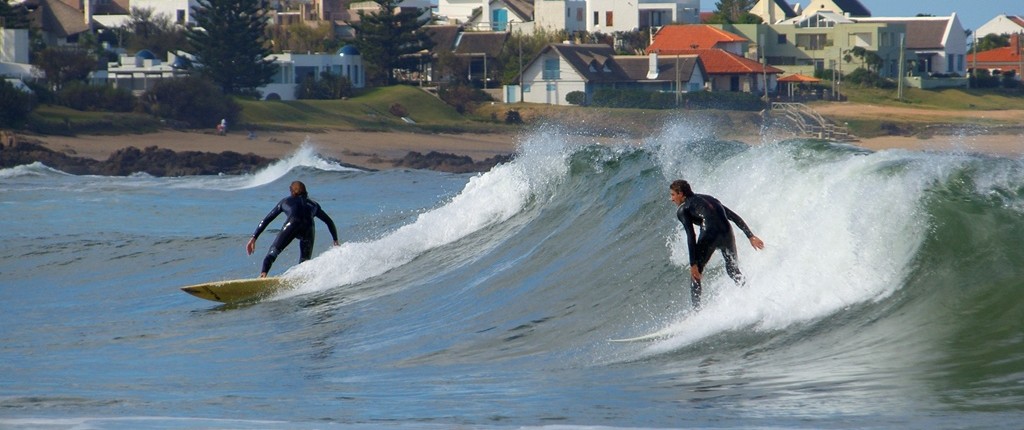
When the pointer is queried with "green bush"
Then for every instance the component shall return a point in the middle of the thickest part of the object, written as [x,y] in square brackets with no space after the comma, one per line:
[85,97]
[193,101]
[513,117]
[328,87]
[15,107]
[578,98]
[867,79]
[462,97]
[982,78]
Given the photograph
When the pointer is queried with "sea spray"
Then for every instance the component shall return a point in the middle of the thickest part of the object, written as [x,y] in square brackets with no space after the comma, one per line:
[487,199]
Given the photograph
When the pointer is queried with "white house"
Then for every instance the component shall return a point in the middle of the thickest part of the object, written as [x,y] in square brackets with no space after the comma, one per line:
[596,16]
[850,8]
[773,11]
[294,68]
[458,11]
[1002,24]
[140,72]
[608,16]
[560,69]
[14,54]
[503,15]
[179,11]
[938,42]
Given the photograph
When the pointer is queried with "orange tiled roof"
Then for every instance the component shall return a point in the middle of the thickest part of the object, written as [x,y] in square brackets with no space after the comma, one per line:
[695,36]
[998,55]
[721,62]
[799,79]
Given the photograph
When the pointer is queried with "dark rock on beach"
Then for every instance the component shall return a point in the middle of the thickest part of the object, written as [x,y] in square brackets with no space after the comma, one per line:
[446,162]
[127,161]
[165,162]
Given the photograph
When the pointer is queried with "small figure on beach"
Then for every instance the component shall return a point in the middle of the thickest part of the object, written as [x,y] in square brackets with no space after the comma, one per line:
[715,233]
[300,210]
[222,128]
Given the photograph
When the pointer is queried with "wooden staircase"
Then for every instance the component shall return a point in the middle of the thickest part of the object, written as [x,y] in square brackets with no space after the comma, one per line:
[809,123]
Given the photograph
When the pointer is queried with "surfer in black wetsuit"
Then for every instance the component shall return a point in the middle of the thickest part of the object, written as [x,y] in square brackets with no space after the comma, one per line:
[300,210]
[715,233]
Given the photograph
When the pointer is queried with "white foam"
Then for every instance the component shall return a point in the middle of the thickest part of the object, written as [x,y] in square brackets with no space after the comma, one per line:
[487,199]
[837,232]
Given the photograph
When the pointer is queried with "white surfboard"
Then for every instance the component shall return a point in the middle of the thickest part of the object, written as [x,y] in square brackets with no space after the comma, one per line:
[238,290]
[660,334]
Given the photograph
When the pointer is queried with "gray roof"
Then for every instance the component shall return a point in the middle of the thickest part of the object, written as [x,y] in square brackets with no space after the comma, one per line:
[481,42]
[443,36]
[522,8]
[598,63]
[922,33]
[57,18]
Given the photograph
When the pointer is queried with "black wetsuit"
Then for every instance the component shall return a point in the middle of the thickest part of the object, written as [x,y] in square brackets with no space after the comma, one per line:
[300,211]
[715,233]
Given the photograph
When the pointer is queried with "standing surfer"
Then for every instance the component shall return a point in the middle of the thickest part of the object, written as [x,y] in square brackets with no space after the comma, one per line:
[715,233]
[300,210]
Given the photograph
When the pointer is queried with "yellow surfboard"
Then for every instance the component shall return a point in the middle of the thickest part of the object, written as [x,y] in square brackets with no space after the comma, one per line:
[237,290]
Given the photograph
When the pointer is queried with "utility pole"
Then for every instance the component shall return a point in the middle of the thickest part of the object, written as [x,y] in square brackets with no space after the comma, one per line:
[899,91]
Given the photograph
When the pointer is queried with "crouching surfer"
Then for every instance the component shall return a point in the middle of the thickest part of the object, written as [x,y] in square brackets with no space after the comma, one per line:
[300,210]
[715,233]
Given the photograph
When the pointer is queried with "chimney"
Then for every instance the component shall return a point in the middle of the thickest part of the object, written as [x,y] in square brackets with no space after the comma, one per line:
[1015,43]
[652,65]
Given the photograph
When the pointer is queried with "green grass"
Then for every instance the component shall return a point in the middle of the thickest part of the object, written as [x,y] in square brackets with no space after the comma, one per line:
[52,119]
[950,98]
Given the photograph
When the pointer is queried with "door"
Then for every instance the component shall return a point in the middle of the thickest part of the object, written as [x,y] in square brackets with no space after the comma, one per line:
[499,19]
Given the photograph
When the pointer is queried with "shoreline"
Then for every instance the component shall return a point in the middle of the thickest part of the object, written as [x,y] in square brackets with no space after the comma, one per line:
[379,150]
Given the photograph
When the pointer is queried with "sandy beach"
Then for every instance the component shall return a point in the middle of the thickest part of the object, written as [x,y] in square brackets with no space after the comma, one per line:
[372,150]
[375,150]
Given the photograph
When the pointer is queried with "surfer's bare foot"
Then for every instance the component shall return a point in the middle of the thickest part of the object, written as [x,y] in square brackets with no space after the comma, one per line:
[263,275]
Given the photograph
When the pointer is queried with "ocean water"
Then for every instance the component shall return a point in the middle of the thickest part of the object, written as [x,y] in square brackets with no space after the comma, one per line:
[890,294]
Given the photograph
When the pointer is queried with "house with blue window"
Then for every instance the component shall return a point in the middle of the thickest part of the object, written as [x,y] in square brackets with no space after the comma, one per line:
[560,69]
[293,69]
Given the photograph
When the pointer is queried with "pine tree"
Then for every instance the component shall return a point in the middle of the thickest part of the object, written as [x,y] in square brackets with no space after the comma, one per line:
[388,40]
[735,12]
[229,42]
[13,16]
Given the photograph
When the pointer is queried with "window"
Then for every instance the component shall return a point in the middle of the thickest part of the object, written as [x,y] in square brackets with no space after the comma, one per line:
[816,21]
[608,21]
[551,69]
[782,39]
[181,16]
[862,40]
[813,42]
[596,17]
[579,14]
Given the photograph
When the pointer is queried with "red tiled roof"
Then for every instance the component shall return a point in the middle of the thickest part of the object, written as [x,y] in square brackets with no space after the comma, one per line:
[721,62]
[997,55]
[799,79]
[1017,19]
[695,36]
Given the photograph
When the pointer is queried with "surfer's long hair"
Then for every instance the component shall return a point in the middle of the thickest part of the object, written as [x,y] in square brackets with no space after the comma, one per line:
[299,189]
